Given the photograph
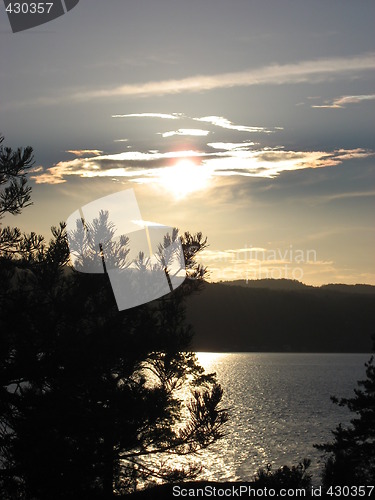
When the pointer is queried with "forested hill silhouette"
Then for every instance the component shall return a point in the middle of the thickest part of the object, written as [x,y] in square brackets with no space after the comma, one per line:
[282,315]
[287,284]
[273,284]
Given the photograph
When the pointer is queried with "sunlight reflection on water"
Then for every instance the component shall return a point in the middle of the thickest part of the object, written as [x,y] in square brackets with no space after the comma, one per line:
[279,407]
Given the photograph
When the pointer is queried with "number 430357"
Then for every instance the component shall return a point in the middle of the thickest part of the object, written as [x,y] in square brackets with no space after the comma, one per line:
[29,8]
[350,491]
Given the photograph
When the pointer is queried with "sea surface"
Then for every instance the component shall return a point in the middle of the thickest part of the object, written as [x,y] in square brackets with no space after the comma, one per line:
[279,407]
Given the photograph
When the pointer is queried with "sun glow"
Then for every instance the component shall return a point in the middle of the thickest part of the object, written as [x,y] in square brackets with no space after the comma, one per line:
[184,177]
[206,359]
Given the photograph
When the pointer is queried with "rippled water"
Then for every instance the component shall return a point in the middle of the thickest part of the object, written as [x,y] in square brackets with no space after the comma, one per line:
[280,406]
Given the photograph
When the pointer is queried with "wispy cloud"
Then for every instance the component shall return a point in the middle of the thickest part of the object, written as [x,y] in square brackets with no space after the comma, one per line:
[139,156]
[237,254]
[217,121]
[222,122]
[312,71]
[342,196]
[85,152]
[186,131]
[343,101]
[173,116]
[230,146]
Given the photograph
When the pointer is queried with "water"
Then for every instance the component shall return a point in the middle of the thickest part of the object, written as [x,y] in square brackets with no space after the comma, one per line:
[279,407]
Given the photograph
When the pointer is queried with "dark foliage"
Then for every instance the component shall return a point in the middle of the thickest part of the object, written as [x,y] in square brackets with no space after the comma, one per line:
[284,477]
[14,165]
[89,394]
[351,459]
[94,401]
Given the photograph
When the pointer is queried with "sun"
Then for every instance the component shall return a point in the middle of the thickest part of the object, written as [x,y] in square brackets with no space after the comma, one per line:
[184,177]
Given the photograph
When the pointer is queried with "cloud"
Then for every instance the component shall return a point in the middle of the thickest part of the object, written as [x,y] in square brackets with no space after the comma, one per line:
[312,71]
[228,146]
[59,173]
[127,164]
[270,163]
[186,131]
[152,166]
[220,121]
[343,101]
[173,116]
[347,195]
[85,152]
[238,254]
[139,156]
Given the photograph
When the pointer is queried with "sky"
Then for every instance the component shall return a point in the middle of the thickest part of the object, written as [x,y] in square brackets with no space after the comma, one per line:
[249,121]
